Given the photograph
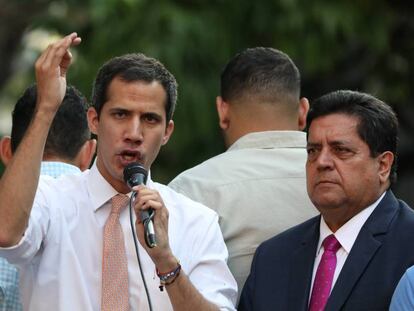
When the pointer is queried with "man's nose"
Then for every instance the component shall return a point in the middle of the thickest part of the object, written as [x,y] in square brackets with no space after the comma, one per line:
[134,130]
[325,159]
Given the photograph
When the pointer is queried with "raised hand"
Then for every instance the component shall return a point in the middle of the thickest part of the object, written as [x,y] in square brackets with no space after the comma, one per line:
[51,68]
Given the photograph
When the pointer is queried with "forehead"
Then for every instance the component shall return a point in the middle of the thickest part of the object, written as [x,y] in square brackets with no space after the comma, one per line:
[135,93]
[333,127]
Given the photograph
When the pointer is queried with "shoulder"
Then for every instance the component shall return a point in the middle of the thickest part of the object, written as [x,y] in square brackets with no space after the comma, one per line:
[288,241]
[410,274]
[71,185]
[406,210]
[202,171]
[392,211]
[404,213]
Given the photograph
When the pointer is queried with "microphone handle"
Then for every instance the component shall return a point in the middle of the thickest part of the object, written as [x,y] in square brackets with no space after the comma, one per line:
[149,232]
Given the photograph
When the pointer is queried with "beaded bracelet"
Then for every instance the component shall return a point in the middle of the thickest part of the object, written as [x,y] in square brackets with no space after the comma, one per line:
[168,277]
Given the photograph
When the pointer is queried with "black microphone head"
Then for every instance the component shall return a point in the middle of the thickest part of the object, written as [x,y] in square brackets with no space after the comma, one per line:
[135,174]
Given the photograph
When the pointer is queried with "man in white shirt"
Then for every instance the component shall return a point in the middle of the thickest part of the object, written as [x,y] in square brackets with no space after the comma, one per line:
[68,150]
[352,256]
[258,185]
[60,246]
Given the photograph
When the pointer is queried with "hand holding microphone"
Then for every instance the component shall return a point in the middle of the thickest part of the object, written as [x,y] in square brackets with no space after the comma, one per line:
[134,175]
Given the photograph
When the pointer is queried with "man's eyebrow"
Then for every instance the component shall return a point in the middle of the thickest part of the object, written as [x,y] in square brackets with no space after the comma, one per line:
[312,144]
[118,109]
[338,143]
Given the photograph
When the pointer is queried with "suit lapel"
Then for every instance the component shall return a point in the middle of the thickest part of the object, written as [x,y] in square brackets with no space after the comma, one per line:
[301,268]
[366,245]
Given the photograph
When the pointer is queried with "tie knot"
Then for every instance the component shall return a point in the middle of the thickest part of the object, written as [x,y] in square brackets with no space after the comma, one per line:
[331,243]
[119,201]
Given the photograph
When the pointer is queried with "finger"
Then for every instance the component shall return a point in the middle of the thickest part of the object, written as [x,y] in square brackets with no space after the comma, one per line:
[76,41]
[142,192]
[67,57]
[150,200]
[41,66]
[156,205]
[59,50]
[42,57]
[45,55]
[53,57]
[65,63]
[140,188]
[145,205]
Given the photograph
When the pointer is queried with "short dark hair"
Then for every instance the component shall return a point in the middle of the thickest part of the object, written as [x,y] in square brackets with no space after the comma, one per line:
[130,68]
[264,73]
[378,124]
[69,129]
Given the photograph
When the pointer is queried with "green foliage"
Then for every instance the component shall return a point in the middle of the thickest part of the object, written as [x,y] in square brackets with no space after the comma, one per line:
[364,45]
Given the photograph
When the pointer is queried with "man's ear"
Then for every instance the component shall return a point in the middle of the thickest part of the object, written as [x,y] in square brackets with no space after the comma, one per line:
[86,153]
[93,120]
[385,161]
[168,132]
[5,150]
[223,113]
[302,113]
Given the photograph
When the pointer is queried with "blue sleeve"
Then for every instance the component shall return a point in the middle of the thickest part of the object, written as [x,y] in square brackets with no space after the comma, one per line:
[403,298]
[9,287]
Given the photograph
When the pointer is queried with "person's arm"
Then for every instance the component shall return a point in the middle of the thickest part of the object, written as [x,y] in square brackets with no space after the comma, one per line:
[19,182]
[403,298]
[183,295]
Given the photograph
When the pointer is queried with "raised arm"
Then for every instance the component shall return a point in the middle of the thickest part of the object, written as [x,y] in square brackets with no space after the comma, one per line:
[19,182]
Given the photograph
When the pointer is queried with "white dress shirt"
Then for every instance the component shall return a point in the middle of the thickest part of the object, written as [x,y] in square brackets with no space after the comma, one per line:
[346,236]
[9,276]
[60,255]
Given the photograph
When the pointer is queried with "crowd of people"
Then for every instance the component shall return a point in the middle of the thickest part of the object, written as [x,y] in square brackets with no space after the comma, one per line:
[297,214]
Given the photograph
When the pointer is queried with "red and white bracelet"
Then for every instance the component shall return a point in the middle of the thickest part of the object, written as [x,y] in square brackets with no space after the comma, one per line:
[168,278]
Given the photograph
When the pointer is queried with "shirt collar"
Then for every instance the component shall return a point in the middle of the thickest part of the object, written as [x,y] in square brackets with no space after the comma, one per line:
[100,190]
[348,233]
[270,139]
[57,168]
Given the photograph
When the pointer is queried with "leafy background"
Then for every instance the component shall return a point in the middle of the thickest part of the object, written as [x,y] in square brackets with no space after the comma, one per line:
[363,45]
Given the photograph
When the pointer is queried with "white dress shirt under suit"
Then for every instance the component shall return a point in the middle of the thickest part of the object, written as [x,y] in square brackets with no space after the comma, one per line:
[346,236]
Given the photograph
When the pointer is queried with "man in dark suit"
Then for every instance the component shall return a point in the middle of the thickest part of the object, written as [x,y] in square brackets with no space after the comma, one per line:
[351,144]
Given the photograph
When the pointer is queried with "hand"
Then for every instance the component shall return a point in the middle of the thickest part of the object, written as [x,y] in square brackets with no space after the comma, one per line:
[51,68]
[161,254]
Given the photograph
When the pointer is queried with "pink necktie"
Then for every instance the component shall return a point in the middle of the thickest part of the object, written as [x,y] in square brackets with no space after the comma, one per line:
[324,274]
[114,262]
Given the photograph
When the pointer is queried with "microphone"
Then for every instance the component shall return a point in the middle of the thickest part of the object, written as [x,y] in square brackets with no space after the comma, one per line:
[134,175]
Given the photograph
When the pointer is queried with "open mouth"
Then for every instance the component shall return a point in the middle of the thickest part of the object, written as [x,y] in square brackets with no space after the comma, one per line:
[128,156]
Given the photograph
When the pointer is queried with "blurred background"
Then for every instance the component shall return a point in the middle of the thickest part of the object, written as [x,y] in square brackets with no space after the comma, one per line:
[360,45]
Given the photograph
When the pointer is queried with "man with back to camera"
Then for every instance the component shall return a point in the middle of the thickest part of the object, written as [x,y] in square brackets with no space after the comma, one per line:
[352,256]
[78,234]
[258,185]
[68,150]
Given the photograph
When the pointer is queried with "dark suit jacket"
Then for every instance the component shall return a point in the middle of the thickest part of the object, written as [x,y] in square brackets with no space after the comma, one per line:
[281,272]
